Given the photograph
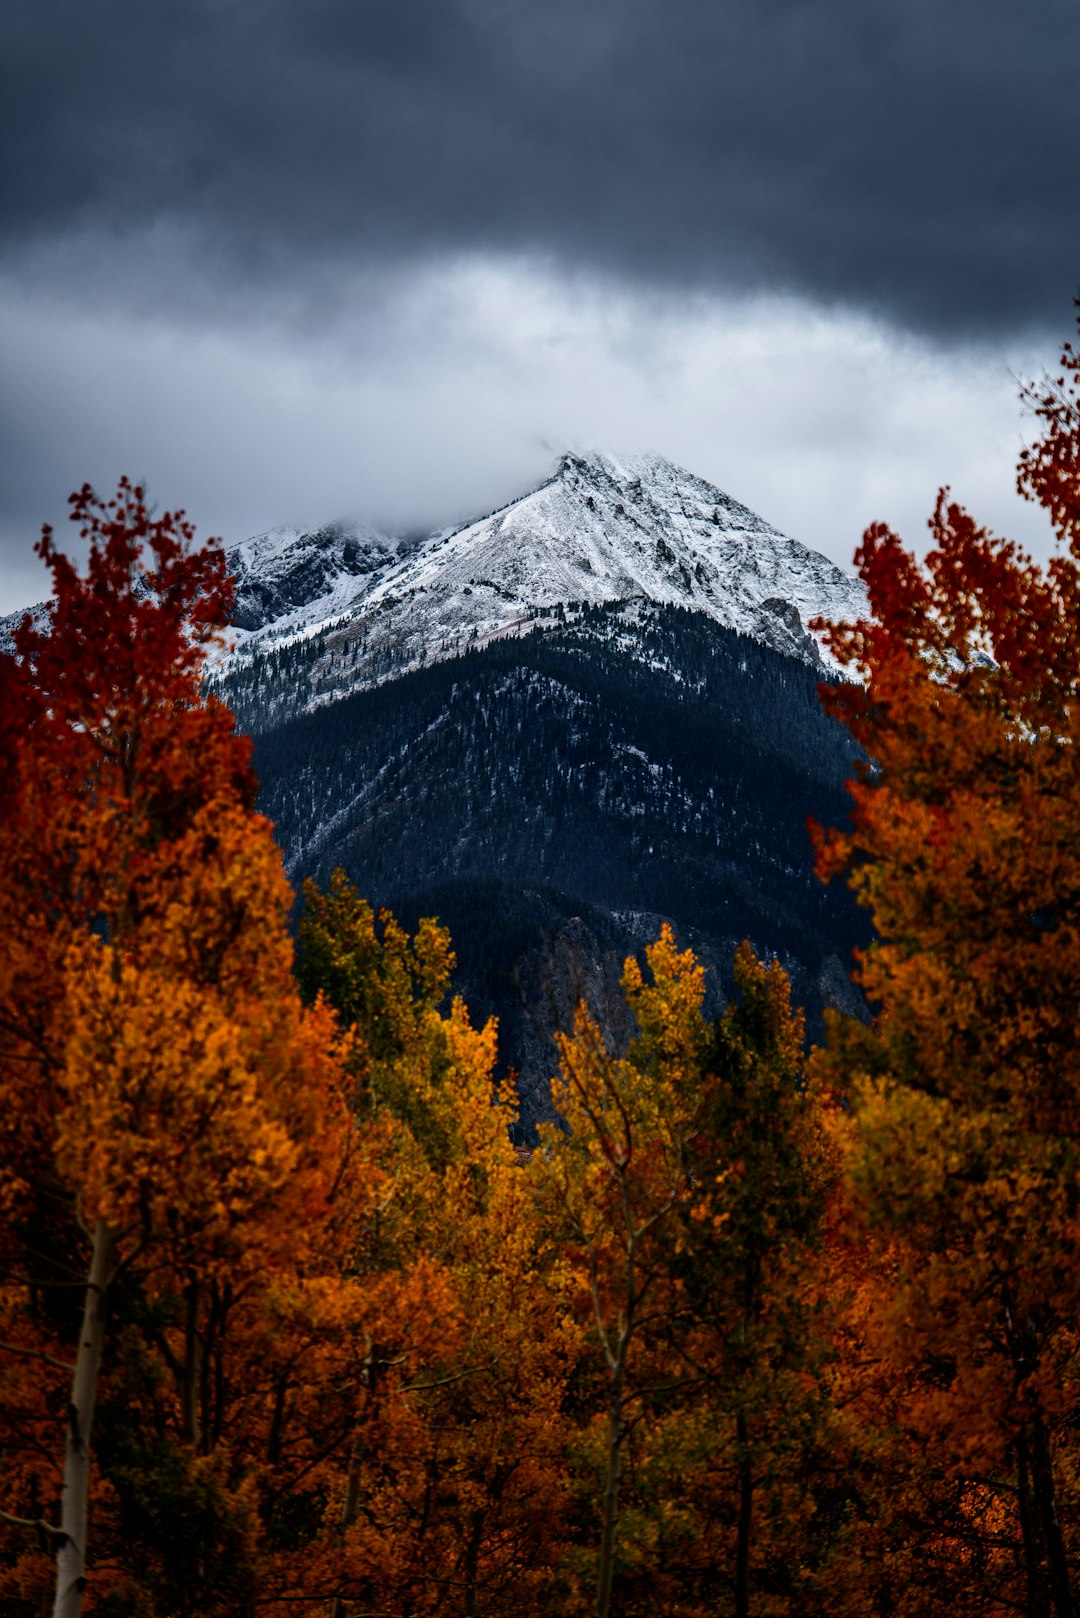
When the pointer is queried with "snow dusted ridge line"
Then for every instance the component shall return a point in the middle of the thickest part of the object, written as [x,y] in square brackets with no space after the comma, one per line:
[601,529]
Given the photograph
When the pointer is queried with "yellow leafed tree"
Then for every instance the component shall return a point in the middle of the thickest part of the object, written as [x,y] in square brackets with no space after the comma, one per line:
[453,1496]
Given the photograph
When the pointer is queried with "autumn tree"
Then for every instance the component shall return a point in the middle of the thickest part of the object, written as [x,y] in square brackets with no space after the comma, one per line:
[753,1277]
[453,1491]
[689,1196]
[616,1184]
[965,846]
[172,1115]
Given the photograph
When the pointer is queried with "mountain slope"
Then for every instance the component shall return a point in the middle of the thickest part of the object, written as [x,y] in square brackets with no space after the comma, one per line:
[555,796]
[290,579]
[325,613]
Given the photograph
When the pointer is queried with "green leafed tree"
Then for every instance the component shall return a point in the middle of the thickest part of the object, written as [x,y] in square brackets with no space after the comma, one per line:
[687,1198]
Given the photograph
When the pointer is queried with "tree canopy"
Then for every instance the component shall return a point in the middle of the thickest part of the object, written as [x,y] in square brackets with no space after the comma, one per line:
[965,846]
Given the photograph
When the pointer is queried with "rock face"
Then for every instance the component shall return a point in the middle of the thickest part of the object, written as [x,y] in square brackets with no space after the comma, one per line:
[289,579]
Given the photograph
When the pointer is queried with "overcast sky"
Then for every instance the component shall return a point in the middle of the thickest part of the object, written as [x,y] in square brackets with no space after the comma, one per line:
[295,259]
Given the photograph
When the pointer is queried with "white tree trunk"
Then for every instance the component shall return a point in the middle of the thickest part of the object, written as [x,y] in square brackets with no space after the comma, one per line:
[71,1556]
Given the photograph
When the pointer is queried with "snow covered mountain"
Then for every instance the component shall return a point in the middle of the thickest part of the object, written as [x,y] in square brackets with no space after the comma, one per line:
[599,530]
[290,579]
[555,726]
[553,797]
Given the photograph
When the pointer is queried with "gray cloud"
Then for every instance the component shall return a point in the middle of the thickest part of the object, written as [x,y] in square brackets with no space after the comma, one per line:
[913,159]
[291,259]
[448,393]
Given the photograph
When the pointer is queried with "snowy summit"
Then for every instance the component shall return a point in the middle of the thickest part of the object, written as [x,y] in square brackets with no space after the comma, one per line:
[601,528]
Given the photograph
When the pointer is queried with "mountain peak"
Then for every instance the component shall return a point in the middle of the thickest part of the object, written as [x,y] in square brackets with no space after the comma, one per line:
[663,485]
[602,528]
[603,465]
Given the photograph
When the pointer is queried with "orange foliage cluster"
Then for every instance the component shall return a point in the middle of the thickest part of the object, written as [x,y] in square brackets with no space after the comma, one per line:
[286,1323]
[965,845]
[175,1132]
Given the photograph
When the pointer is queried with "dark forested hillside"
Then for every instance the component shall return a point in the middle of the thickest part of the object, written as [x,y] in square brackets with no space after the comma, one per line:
[552,797]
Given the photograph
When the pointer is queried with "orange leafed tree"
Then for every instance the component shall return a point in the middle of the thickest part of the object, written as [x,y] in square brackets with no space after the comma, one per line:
[172,1117]
[965,845]
[450,1499]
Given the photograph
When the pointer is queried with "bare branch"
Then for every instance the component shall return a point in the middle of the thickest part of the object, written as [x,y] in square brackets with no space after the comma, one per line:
[444,1381]
[37,1354]
[37,1523]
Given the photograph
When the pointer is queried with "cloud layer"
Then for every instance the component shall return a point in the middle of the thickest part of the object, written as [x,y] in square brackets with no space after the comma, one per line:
[296,258]
[438,398]
[914,160]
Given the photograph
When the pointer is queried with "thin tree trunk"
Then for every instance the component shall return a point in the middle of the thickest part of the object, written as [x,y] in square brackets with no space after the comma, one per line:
[751,1301]
[616,1434]
[1044,1543]
[349,1508]
[472,1565]
[1038,1605]
[192,1365]
[1042,1474]
[745,1523]
[351,1504]
[71,1556]
[616,1422]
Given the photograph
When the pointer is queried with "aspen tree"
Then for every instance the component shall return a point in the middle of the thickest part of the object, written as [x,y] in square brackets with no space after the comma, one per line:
[618,1182]
[164,1094]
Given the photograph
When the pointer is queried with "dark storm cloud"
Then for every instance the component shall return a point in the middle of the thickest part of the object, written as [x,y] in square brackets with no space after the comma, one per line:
[918,159]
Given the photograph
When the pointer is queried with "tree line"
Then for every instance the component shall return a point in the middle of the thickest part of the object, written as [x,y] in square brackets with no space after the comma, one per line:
[570,763]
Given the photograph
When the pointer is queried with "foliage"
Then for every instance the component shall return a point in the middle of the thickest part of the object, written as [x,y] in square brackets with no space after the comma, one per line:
[618,1184]
[965,846]
[452,1497]
[173,1119]
[690,1193]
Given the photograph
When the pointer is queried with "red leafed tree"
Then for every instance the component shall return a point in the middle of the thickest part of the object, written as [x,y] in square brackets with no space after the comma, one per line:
[170,1112]
[965,845]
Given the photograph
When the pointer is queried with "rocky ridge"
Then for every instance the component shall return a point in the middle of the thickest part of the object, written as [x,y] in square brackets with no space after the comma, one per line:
[357,607]
[600,529]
